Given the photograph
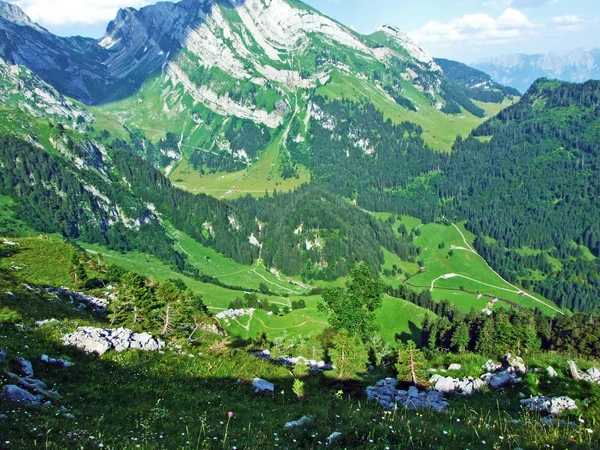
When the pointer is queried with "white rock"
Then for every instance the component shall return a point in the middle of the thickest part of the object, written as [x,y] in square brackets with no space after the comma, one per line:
[261,385]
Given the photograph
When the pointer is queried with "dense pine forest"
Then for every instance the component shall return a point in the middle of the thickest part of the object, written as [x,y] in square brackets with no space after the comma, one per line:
[525,181]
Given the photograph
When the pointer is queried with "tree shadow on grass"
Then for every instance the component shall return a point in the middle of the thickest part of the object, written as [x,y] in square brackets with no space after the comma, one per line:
[414,334]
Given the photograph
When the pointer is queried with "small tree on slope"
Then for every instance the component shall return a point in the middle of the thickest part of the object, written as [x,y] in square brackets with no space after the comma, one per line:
[349,355]
[411,363]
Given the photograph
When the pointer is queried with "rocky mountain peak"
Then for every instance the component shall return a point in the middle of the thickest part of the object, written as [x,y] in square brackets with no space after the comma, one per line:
[14,14]
[413,49]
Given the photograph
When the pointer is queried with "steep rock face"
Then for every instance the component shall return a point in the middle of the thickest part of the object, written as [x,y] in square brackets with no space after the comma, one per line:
[520,70]
[73,65]
[23,90]
[246,39]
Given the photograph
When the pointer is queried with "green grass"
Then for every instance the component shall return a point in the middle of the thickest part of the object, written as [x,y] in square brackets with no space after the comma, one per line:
[182,399]
[440,130]
[210,262]
[44,260]
[464,262]
[260,177]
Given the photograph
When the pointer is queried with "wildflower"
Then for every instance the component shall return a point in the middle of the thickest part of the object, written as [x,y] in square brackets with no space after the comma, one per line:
[589,430]
[581,420]
[230,414]
[445,432]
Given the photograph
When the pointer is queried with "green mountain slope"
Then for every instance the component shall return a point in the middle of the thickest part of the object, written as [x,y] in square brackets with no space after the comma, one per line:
[528,180]
[205,74]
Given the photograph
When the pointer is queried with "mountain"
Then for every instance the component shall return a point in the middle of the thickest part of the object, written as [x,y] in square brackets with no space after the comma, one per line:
[196,72]
[474,79]
[527,182]
[292,97]
[520,70]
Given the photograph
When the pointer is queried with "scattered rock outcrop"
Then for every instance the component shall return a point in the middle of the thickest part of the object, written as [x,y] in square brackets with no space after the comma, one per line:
[496,376]
[591,375]
[233,313]
[551,372]
[98,304]
[291,362]
[26,390]
[454,367]
[42,323]
[448,385]
[99,340]
[388,396]
[552,406]
[261,385]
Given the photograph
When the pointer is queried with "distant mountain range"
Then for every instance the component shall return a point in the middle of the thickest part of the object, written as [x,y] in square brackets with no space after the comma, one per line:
[520,71]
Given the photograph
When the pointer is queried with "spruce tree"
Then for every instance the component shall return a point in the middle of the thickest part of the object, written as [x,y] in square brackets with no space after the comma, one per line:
[411,363]
[460,338]
[349,355]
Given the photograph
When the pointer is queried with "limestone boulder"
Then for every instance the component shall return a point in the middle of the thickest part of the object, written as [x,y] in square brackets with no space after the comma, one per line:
[14,393]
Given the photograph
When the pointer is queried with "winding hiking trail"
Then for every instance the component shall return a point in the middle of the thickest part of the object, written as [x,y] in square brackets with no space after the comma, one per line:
[514,290]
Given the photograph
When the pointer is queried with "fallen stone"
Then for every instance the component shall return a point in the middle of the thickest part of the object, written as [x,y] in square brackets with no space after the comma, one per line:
[445,385]
[454,367]
[501,379]
[332,437]
[305,420]
[24,367]
[551,372]
[547,405]
[16,394]
[261,385]
[55,362]
[413,392]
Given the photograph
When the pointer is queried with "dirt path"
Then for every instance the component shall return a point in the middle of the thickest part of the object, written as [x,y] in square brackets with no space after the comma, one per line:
[514,290]
[274,284]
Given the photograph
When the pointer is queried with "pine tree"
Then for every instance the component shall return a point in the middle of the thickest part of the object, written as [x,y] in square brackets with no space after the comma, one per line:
[460,338]
[349,355]
[411,363]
